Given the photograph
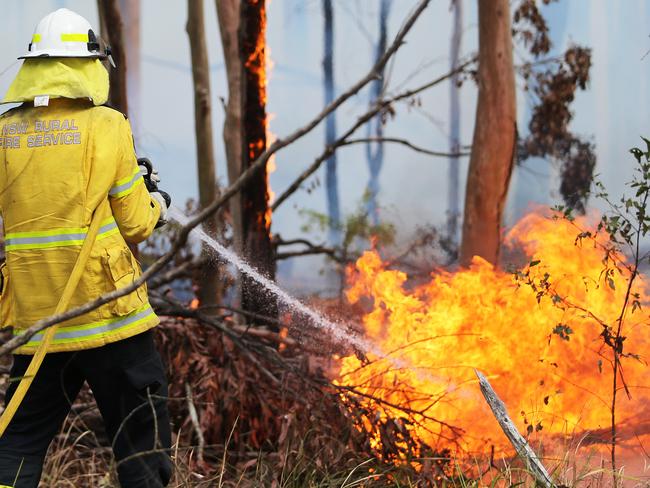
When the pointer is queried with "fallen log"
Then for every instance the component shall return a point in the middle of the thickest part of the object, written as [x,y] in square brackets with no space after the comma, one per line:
[524,451]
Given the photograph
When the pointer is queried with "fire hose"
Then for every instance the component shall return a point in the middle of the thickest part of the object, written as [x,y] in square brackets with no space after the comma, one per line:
[64,301]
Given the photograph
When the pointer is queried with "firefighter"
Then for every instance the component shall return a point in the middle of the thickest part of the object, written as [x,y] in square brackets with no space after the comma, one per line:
[65,159]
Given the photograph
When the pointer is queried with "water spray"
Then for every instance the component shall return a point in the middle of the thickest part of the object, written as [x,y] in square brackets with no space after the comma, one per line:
[337,330]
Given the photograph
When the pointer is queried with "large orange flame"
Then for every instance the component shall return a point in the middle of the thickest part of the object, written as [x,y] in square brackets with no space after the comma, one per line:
[483,318]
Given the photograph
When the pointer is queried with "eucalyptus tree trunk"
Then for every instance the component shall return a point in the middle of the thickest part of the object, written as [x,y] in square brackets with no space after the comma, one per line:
[209,289]
[228,17]
[331,179]
[375,126]
[130,10]
[112,31]
[243,33]
[453,195]
[493,145]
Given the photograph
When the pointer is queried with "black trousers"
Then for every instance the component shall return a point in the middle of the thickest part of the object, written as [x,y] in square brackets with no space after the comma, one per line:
[128,381]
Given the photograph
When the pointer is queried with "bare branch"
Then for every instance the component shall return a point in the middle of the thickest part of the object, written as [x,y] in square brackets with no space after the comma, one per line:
[408,144]
[312,249]
[343,140]
[182,271]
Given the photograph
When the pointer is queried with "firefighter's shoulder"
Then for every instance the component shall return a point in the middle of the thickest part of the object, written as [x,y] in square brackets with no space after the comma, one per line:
[10,112]
[108,116]
[109,110]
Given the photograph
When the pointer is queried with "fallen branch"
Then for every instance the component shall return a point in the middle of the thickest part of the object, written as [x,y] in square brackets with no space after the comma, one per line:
[194,417]
[239,330]
[520,444]
[181,271]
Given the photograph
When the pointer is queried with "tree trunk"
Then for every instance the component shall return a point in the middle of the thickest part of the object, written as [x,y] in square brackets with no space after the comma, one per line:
[228,16]
[256,214]
[130,10]
[112,31]
[375,126]
[243,29]
[331,180]
[493,144]
[453,196]
[209,292]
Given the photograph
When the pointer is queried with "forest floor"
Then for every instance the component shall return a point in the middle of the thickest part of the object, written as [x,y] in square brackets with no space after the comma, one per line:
[298,434]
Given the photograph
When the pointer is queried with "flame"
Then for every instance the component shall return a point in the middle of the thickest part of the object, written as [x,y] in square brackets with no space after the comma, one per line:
[482,317]
[271,165]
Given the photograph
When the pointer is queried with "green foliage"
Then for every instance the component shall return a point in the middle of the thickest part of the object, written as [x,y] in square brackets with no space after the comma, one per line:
[563,330]
[356,229]
[619,234]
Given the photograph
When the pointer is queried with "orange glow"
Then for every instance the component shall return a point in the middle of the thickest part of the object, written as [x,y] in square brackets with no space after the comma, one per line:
[480,317]
[271,165]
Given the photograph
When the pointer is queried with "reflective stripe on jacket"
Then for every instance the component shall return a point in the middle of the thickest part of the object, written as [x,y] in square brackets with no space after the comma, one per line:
[57,164]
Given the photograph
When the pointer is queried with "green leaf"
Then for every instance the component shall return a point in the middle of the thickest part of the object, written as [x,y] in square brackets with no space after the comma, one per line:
[647,143]
[563,330]
[637,153]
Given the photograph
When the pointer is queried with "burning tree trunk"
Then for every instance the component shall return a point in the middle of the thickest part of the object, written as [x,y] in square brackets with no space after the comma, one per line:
[331,185]
[493,145]
[453,200]
[256,214]
[243,31]
[209,280]
[112,29]
[376,158]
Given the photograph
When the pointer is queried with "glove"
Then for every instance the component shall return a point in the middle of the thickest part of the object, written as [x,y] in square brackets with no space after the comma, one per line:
[165,201]
[149,173]
[151,180]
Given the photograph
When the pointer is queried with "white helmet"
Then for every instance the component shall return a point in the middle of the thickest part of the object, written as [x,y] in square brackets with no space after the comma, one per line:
[64,34]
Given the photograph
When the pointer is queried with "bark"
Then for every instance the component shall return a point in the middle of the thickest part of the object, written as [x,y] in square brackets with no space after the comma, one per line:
[376,127]
[493,145]
[453,197]
[243,32]
[228,16]
[256,214]
[130,10]
[520,444]
[209,290]
[331,180]
[112,29]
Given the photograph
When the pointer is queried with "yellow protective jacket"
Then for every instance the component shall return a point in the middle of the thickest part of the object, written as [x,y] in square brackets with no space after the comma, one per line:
[58,164]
